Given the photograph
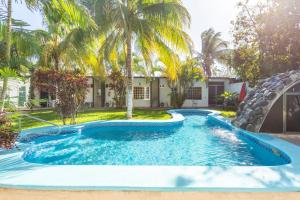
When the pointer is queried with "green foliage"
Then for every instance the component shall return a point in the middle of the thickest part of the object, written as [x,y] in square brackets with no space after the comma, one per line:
[245,60]
[228,114]
[231,100]
[188,72]
[156,28]
[34,103]
[266,38]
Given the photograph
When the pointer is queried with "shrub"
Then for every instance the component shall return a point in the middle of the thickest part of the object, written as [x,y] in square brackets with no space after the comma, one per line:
[8,136]
[230,99]
[118,85]
[69,87]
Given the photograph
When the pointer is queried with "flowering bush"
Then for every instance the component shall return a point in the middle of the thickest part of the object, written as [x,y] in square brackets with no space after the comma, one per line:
[69,87]
[7,135]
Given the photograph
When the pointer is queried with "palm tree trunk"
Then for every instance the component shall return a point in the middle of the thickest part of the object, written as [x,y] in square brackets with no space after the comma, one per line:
[8,31]
[7,51]
[3,93]
[129,78]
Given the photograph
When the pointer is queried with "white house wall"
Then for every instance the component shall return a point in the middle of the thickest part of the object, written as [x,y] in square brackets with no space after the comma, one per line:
[89,95]
[164,93]
[141,82]
[236,87]
[198,103]
[14,86]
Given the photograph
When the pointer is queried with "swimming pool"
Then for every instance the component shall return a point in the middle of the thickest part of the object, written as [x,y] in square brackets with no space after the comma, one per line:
[199,141]
[195,150]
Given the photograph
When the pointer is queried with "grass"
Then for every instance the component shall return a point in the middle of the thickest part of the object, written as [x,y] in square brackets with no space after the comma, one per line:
[94,115]
[87,116]
[228,114]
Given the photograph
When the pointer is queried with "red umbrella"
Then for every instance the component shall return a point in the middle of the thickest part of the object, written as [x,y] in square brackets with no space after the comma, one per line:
[243,92]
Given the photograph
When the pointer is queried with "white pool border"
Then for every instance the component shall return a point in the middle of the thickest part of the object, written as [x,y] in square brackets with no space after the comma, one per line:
[17,173]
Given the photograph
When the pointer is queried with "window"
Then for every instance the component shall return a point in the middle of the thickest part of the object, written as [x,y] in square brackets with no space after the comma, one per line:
[147,95]
[142,93]
[138,93]
[194,93]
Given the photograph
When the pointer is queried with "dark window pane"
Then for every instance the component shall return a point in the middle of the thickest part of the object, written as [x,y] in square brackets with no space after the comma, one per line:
[293,113]
[194,93]
[274,120]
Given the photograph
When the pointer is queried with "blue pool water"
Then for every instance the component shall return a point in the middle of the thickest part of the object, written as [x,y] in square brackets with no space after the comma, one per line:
[198,142]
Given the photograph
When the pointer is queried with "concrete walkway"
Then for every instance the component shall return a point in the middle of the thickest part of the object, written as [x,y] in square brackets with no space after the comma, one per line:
[292,138]
[12,194]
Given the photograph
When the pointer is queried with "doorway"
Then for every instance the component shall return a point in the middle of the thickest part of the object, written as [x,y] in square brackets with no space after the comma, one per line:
[215,90]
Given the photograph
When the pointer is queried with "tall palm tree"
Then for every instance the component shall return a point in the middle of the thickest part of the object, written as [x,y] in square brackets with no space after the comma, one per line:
[24,46]
[150,28]
[8,37]
[213,49]
[68,35]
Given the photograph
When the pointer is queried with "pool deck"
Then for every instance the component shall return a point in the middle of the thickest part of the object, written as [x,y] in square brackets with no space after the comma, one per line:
[19,174]
[292,138]
[13,194]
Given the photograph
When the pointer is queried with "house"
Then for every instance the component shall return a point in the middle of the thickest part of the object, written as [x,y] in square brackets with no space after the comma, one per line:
[17,92]
[156,92]
[147,92]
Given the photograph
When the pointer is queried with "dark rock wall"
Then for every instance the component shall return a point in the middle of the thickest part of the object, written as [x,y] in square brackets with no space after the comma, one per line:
[254,109]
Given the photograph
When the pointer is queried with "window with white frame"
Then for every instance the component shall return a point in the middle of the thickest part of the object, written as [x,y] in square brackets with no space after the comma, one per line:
[194,93]
[141,93]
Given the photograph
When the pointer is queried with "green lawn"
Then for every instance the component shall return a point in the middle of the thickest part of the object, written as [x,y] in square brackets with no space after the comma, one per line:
[94,115]
[87,116]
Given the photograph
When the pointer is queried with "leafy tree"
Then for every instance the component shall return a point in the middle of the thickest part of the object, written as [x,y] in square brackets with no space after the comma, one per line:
[152,27]
[8,39]
[24,47]
[70,88]
[266,38]
[66,43]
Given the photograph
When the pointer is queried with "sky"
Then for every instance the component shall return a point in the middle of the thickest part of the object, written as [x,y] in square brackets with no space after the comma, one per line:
[205,14]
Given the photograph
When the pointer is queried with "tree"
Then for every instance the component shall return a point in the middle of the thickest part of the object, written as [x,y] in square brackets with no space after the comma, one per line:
[69,86]
[24,47]
[213,49]
[153,27]
[8,40]
[268,34]
[67,41]
[188,71]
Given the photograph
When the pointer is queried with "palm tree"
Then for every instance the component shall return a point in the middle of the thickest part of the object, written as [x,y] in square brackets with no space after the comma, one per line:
[148,28]
[213,49]
[8,37]
[5,74]
[66,43]
[24,46]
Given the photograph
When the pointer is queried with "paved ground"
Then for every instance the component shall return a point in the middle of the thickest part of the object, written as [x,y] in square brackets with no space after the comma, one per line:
[12,194]
[293,138]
